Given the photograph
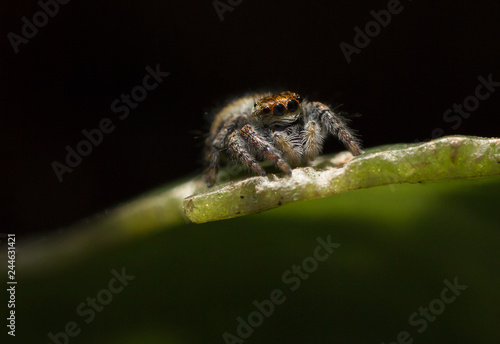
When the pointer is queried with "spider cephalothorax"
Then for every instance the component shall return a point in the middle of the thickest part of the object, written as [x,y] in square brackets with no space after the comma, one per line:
[283,128]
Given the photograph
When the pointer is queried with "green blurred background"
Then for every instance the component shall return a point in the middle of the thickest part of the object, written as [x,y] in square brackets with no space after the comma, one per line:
[398,244]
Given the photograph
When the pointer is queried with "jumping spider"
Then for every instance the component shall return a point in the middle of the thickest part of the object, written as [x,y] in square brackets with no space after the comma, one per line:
[284,128]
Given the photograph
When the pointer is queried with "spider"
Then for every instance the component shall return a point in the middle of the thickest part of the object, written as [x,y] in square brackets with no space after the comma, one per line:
[284,128]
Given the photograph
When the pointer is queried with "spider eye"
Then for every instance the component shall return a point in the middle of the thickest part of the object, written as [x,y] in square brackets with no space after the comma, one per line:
[292,105]
[266,109]
[254,104]
[279,110]
[299,99]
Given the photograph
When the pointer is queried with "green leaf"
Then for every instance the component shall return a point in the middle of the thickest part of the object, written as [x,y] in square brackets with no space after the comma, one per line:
[451,157]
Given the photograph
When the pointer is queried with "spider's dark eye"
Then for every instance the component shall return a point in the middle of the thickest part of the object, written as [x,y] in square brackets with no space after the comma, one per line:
[279,110]
[254,104]
[266,110]
[292,105]
[299,99]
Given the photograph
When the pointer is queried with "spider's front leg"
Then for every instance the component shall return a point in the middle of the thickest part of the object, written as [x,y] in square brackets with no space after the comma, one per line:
[261,145]
[335,125]
[312,139]
[237,147]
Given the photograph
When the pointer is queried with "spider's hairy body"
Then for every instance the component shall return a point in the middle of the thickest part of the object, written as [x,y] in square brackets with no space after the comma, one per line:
[283,128]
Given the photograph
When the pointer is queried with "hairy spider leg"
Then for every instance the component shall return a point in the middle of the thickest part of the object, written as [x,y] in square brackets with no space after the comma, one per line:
[312,139]
[216,144]
[336,125]
[251,136]
[237,147]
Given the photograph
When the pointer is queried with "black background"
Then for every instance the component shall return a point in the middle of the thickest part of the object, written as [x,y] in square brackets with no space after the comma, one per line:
[66,77]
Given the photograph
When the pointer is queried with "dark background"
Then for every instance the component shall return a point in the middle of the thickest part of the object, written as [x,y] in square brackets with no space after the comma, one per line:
[65,79]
